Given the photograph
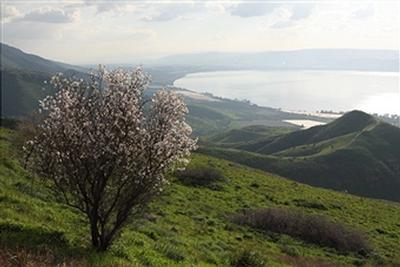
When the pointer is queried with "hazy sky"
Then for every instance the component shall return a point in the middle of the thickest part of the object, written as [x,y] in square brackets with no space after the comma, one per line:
[130,31]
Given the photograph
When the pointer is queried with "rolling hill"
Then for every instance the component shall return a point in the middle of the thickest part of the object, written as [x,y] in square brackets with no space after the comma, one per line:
[355,153]
[188,225]
[246,134]
[14,58]
[22,80]
[23,76]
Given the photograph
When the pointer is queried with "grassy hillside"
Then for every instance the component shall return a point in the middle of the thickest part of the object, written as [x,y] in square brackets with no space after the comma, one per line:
[13,58]
[188,225]
[22,80]
[355,153]
[352,122]
[212,118]
[244,135]
[21,91]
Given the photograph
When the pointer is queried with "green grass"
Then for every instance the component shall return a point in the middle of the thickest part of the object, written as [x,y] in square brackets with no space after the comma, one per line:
[241,136]
[355,153]
[190,226]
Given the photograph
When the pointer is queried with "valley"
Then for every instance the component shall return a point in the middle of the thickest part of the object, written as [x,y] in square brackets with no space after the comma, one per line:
[338,171]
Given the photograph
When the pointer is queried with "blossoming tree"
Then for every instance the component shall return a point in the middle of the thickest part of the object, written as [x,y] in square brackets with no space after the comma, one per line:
[106,148]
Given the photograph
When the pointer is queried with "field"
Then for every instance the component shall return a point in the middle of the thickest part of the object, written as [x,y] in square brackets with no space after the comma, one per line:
[188,225]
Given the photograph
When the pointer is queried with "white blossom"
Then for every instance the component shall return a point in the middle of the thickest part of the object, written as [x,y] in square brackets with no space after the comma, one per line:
[104,149]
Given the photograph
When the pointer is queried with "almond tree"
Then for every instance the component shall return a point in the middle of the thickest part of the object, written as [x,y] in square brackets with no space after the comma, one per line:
[105,148]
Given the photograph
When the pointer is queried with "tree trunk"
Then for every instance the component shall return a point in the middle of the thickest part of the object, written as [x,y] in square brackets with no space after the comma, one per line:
[95,235]
[104,244]
[94,230]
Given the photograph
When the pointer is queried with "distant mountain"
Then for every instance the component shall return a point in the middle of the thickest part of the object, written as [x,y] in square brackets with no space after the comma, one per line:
[22,80]
[316,59]
[23,76]
[355,153]
[14,58]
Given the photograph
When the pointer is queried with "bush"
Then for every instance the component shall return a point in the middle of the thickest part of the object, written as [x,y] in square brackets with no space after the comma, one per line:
[309,204]
[310,228]
[201,176]
[248,258]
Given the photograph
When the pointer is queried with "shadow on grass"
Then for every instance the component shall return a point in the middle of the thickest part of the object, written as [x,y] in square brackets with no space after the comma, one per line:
[38,241]
[22,245]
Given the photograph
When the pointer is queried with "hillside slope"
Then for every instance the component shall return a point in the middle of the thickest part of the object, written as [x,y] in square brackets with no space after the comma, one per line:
[22,80]
[22,84]
[14,58]
[355,153]
[190,226]
[21,91]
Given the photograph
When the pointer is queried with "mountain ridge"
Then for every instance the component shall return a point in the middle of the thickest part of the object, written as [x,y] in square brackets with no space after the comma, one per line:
[15,58]
[360,154]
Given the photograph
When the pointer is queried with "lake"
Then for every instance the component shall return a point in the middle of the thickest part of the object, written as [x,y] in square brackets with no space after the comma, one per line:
[374,92]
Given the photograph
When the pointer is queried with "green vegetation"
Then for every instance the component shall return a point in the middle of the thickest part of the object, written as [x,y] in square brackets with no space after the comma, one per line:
[191,225]
[14,58]
[310,228]
[211,119]
[21,91]
[201,176]
[355,153]
[241,136]
[23,77]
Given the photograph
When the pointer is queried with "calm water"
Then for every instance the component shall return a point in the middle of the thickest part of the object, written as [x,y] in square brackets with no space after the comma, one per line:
[303,90]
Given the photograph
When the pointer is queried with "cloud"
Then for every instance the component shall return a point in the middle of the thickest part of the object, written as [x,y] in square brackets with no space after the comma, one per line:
[51,15]
[293,15]
[364,13]
[147,10]
[115,8]
[282,24]
[301,11]
[173,11]
[246,10]
[9,13]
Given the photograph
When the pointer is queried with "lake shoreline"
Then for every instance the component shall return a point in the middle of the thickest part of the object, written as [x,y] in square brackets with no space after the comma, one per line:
[284,83]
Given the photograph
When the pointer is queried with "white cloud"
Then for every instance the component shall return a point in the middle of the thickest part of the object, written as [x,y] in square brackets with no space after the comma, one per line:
[120,31]
[364,13]
[115,8]
[301,11]
[170,12]
[9,12]
[51,15]
[293,16]
[253,9]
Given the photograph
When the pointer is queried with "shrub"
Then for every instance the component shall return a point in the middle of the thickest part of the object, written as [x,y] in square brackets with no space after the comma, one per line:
[310,228]
[201,176]
[104,147]
[248,258]
[309,204]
